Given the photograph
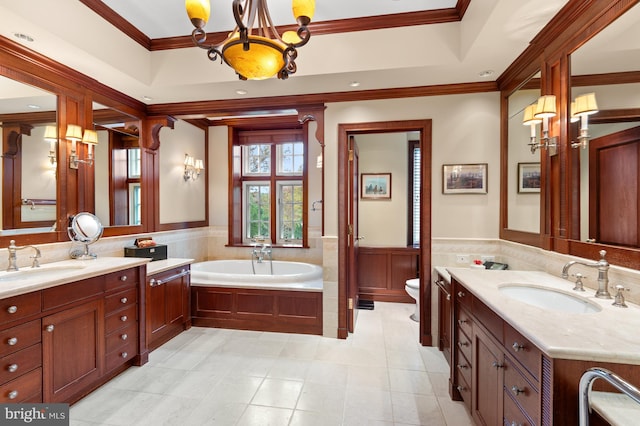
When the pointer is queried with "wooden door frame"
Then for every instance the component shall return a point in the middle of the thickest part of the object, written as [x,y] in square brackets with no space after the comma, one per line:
[344,130]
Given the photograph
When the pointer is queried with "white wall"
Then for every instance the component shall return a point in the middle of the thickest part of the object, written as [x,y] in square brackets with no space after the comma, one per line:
[181,201]
[465,129]
[384,222]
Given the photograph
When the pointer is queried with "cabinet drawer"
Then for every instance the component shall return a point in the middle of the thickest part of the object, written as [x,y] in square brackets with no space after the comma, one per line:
[19,363]
[120,300]
[464,344]
[522,391]
[126,278]
[121,318]
[121,355]
[27,387]
[464,367]
[464,388]
[73,292]
[512,413]
[19,337]
[522,350]
[463,296]
[17,307]
[121,337]
[465,323]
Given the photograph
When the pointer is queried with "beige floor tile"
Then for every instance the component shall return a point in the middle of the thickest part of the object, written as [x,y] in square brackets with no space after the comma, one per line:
[380,375]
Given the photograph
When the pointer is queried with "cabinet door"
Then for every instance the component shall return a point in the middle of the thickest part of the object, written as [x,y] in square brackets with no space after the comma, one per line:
[73,350]
[167,305]
[487,378]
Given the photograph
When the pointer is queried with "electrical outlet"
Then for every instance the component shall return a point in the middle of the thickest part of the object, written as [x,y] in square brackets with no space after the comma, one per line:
[462,258]
[488,258]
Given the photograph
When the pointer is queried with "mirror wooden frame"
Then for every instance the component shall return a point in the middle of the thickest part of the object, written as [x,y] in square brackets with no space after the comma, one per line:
[550,51]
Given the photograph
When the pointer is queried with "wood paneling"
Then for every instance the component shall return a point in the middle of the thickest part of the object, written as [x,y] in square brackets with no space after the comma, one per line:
[383,272]
[256,309]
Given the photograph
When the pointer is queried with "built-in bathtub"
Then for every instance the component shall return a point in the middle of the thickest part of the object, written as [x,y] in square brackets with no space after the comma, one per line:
[228,294]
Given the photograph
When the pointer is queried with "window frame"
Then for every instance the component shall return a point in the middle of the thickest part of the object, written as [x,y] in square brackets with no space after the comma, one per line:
[412,203]
[242,136]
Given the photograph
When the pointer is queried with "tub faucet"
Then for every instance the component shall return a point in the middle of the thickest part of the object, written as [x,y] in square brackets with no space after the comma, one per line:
[603,274]
[13,256]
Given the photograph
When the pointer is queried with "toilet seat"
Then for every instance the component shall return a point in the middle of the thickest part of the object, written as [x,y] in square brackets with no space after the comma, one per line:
[413,283]
[412,287]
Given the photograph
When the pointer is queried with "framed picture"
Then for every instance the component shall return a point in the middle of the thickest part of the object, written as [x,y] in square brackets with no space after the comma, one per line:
[464,178]
[375,186]
[528,177]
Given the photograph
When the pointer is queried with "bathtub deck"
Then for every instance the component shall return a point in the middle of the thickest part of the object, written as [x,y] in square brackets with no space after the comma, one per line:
[286,311]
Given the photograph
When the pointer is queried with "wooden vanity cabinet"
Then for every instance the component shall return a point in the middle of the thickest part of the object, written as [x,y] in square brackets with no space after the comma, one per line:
[167,305]
[496,371]
[444,317]
[60,343]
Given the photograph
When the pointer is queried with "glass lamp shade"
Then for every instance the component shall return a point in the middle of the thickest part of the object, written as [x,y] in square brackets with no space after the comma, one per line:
[303,10]
[198,11]
[529,116]
[50,134]
[263,59]
[291,37]
[199,165]
[74,133]
[90,137]
[546,106]
[586,104]
[188,161]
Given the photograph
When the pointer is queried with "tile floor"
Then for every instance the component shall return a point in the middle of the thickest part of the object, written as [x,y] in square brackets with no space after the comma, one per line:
[380,375]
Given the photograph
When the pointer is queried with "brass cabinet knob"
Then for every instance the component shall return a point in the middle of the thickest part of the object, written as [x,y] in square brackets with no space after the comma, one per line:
[50,328]
[12,309]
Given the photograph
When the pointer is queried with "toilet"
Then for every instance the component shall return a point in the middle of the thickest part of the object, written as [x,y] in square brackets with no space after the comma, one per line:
[412,288]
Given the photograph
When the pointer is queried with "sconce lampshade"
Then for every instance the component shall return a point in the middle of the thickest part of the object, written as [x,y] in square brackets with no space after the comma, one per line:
[530,115]
[90,137]
[198,165]
[574,117]
[50,134]
[188,160]
[74,133]
[546,106]
[198,12]
[586,104]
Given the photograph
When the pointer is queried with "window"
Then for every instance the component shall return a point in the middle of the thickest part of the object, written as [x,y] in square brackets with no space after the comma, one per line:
[269,198]
[414,194]
[133,180]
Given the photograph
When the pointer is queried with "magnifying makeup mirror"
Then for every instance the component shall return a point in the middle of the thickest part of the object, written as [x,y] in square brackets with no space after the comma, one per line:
[85,228]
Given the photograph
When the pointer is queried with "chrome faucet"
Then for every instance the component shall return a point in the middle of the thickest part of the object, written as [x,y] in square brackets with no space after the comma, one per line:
[603,274]
[13,256]
[262,252]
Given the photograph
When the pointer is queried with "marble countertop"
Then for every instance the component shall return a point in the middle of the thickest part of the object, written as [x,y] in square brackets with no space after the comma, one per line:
[609,335]
[158,266]
[442,271]
[48,275]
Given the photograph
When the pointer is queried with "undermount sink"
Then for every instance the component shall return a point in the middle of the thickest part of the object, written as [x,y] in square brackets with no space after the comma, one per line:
[35,273]
[547,298]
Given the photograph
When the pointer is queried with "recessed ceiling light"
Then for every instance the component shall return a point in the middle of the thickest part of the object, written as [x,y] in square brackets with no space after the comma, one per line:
[354,84]
[32,106]
[22,36]
[147,98]
[485,73]
[241,92]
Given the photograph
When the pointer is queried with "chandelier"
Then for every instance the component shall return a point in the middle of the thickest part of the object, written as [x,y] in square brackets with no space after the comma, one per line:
[254,49]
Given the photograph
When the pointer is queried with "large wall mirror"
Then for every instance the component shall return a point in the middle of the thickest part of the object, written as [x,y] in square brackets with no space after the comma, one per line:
[28,125]
[118,171]
[606,169]
[523,165]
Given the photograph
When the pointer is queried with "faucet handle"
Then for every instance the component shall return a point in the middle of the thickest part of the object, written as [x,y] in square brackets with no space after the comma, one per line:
[579,286]
[619,297]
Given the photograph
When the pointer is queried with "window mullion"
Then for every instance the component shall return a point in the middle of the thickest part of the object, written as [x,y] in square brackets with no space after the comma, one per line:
[274,195]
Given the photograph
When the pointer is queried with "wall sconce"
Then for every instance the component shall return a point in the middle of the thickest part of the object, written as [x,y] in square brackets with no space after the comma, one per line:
[192,167]
[319,161]
[581,109]
[540,112]
[75,135]
[51,136]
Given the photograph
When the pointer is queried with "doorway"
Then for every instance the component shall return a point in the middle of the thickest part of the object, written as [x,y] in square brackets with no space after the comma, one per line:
[346,237]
